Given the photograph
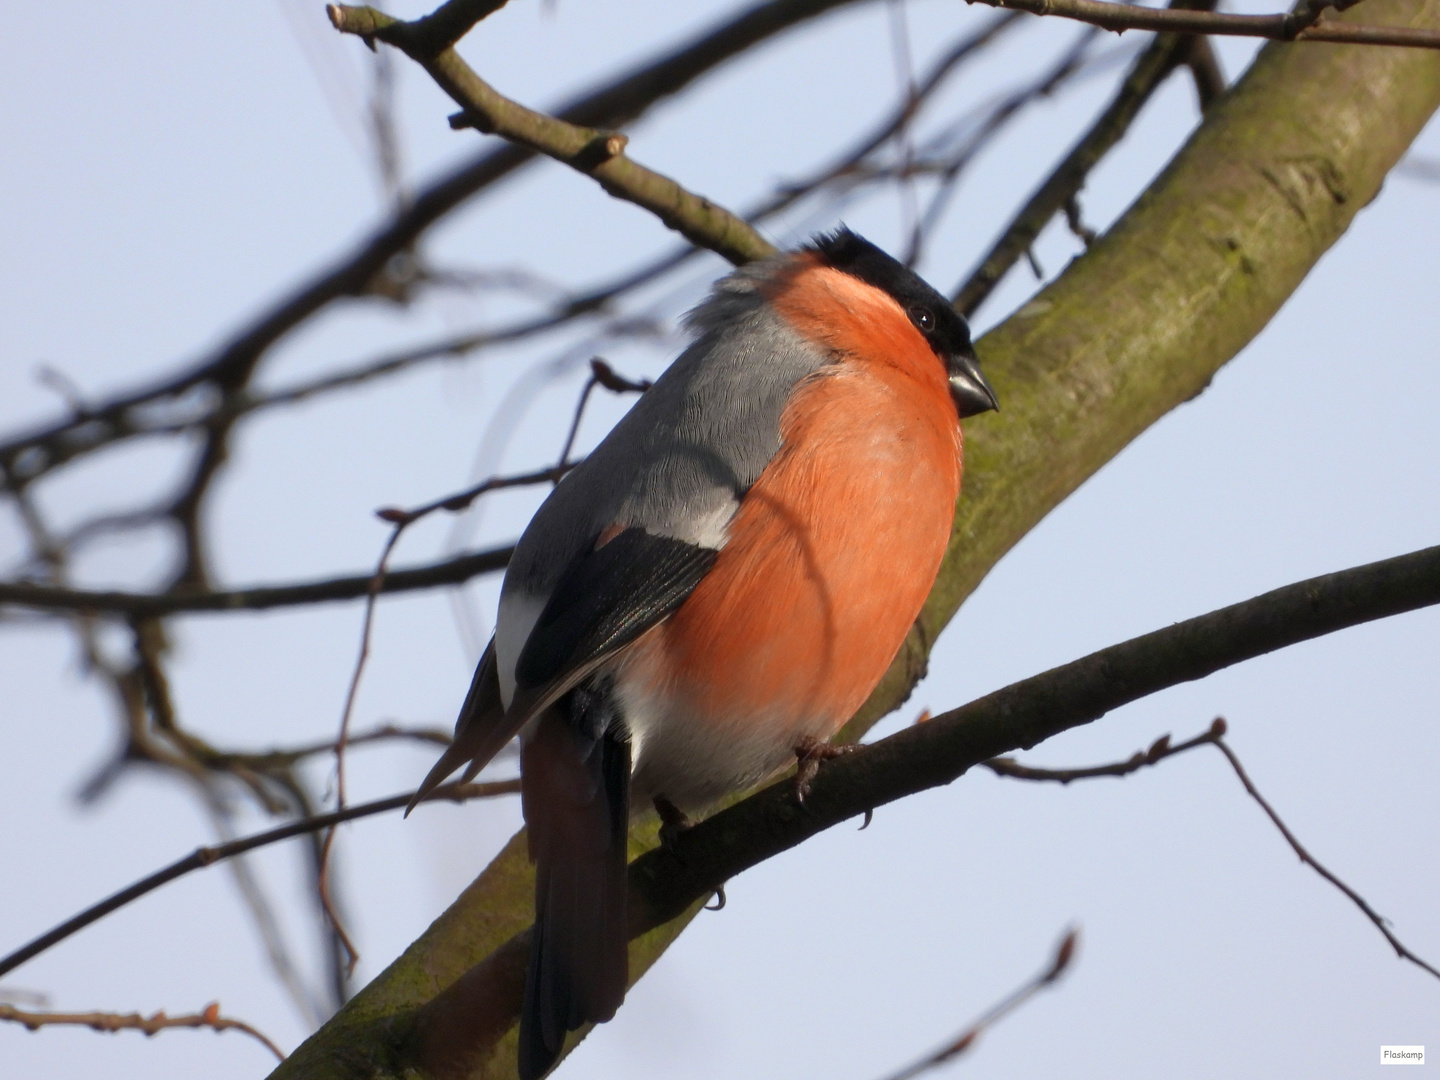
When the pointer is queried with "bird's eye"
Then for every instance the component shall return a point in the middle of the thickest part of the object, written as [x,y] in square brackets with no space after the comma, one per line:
[924,318]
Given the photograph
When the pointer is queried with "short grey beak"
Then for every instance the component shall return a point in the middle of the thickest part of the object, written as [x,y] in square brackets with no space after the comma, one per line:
[968,387]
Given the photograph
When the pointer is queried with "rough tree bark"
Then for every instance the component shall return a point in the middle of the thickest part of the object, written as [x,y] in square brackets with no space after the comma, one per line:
[1137,326]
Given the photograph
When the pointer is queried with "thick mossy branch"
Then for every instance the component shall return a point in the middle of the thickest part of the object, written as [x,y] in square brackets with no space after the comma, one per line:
[1135,327]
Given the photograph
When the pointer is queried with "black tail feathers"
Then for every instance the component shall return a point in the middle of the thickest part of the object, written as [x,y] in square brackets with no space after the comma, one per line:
[576,796]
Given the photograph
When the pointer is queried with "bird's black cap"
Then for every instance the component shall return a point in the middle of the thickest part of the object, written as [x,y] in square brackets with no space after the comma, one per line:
[943,327]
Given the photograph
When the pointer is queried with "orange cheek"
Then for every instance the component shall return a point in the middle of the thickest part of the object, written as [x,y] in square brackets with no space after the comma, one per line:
[859,322]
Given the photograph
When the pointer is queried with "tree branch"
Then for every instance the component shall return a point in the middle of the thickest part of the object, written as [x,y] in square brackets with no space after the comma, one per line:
[1302,24]
[1375,917]
[1158,752]
[202,857]
[1059,963]
[666,881]
[597,153]
[1205,69]
[258,598]
[150,1025]
[432,34]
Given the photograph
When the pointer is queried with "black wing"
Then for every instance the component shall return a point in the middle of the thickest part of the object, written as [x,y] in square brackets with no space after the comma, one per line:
[481,730]
[606,599]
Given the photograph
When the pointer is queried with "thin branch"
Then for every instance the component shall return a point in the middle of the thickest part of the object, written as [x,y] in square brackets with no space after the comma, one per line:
[448,23]
[455,346]
[1309,860]
[1150,69]
[258,598]
[281,756]
[1064,954]
[786,195]
[202,857]
[1303,24]
[601,374]
[1159,750]
[262,915]
[597,298]
[905,146]
[211,409]
[367,625]
[461,500]
[150,1025]
[950,165]
[1205,70]
[1215,736]
[597,153]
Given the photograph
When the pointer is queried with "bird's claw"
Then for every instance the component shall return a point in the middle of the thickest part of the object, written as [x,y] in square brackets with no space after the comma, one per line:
[673,821]
[808,756]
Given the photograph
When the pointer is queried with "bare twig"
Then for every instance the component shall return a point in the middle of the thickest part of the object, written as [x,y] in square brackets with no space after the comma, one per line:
[64,387]
[367,624]
[262,915]
[150,1025]
[905,76]
[1215,736]
[207,856]
[1159,750]
[1064,955]
[567,311]
[1205,70]
[597,153]
[1303,24]
[950,163]
[596,299]
[1075,222]
[267,759]
[259,598]
[1309,860]
[601,374]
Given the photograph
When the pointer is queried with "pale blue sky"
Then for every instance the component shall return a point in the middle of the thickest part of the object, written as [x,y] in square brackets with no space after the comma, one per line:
[171,168]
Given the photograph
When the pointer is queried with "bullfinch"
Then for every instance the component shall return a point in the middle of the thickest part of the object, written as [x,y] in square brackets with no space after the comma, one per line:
[719,585]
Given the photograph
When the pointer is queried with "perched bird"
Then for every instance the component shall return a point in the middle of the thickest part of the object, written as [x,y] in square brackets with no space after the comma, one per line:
[719,585]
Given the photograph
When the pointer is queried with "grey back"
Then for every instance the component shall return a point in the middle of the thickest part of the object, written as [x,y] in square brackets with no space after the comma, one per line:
[678,463]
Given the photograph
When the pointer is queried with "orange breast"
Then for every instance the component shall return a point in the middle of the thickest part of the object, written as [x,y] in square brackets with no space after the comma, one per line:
[836,546]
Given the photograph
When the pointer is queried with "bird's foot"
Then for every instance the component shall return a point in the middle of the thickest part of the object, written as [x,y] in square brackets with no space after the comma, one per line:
[808,756]
[673,821]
